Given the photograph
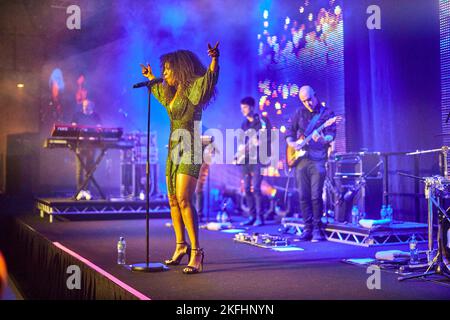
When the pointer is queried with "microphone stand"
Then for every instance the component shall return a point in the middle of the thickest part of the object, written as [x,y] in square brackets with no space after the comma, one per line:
[437,262]
[147,266]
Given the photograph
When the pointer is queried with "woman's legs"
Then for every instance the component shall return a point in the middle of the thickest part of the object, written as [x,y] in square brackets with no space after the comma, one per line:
[185,188]
[177,222]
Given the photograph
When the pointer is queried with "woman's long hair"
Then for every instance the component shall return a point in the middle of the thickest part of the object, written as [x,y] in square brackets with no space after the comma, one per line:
[186,67]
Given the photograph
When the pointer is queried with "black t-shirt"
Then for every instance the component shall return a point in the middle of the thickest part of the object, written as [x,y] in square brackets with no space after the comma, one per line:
[257,124]
[92,119]
[316,151]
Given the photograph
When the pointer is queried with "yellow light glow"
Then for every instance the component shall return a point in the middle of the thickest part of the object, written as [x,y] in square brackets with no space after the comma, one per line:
[20,85]
[337,10]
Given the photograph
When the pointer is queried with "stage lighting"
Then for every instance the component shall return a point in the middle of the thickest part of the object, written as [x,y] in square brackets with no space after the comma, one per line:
[265,14]
[310,17]
[266,24]
[20,85]
[285,92]
[287,21]
[262,100]
[301,9]
[282,129]
[337,10]
[294,90]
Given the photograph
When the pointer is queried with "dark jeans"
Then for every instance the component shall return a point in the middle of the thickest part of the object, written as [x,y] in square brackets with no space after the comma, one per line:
[88,157]
[200,189]
[252,177]
[310,176]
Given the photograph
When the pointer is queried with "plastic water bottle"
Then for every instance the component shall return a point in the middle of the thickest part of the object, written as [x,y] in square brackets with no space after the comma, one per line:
[355,215]
[383,212]
[413,251]
[224,217]
[329,217]
[121,249]
[389,213]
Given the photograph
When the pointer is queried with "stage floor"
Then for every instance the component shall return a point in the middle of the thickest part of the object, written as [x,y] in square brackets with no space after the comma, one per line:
[233,270]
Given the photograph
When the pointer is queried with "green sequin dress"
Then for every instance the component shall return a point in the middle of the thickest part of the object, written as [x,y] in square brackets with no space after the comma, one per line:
[184,111]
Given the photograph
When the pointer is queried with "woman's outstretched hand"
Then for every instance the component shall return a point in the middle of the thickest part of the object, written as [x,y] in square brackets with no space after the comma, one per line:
[213,52]
[147,71]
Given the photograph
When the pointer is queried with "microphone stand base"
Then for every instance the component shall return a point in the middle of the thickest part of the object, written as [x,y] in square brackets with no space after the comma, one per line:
[149,267]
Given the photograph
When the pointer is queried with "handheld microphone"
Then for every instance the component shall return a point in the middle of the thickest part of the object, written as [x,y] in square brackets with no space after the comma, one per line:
[147,83]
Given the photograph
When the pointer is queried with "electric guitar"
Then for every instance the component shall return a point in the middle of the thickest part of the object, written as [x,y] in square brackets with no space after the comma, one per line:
[239,157]
[294,155]
[252,142]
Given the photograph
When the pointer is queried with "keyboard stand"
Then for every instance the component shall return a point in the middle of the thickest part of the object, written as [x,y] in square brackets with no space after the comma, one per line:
[89,173]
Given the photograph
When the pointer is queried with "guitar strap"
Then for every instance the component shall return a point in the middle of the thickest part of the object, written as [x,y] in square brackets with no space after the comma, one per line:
[313,122]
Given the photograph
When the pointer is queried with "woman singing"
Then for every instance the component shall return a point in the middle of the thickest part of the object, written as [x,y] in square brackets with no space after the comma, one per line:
[187,89]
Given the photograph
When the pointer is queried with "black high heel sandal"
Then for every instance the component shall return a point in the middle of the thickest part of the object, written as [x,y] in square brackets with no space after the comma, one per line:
[193,270]
[176,261]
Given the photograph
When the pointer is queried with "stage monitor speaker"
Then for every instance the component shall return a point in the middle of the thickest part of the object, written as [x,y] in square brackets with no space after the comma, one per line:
[347,169]
[22,163]
[372,164]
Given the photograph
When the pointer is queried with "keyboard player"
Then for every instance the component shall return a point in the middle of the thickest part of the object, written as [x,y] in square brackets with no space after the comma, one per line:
[85,117]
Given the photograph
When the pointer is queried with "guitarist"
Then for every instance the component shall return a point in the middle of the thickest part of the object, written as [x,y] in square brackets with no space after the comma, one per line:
[251,168]
[310,170]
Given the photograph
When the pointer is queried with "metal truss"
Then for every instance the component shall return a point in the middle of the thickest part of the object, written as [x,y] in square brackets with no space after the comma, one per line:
[364,237]
[101,208]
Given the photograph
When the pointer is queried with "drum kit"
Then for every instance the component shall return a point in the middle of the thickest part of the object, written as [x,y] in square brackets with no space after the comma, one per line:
[133,165]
